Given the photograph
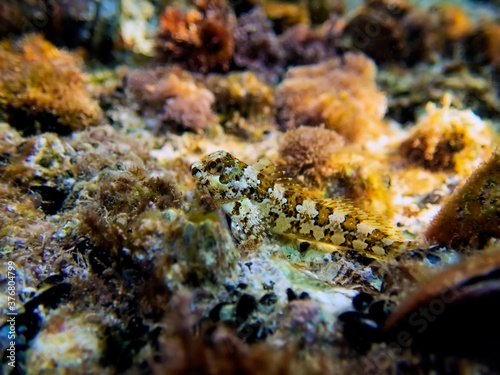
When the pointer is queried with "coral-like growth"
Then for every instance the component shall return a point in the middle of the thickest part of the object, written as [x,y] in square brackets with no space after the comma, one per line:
[409,91]
[285,14]
[173,96]
[483,45]
[121,203]
[201,39]
[448,139]
[471,217]
[454,20]
[339,93]
[304,45]
[11,14]
[397,31]
[257,47]
[308,152]
[217,349]
[321,10]
[377,31]
[69,343]
[43,88]
[243,101]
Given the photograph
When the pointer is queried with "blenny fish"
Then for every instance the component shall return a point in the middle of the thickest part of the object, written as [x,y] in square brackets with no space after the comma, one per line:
[260,199]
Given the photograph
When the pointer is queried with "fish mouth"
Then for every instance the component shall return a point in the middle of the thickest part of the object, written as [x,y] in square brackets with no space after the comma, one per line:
[195,168]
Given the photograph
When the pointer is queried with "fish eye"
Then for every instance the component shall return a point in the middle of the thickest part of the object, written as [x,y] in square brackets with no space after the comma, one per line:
[215,166]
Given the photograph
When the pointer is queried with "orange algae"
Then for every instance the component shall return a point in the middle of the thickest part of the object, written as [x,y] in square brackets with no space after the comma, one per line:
[201,39]
[46,85]
[454,21]
[342,94]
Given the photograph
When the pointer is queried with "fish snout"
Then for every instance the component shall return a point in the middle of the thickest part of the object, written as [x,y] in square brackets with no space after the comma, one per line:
[195,168]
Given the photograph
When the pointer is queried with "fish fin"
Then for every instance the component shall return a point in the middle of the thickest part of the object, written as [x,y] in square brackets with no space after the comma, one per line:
[269,172]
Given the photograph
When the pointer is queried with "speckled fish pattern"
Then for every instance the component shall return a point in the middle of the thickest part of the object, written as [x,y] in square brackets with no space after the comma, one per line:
[260,199]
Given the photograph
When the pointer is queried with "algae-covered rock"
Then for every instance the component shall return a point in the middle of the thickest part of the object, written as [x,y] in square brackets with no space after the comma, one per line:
[43,88]
[244,102]
[471,216]
[448,139]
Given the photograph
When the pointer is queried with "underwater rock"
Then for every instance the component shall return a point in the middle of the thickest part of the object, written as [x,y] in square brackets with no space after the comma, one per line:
[218,350]
[66,344]
[451,314]
[37,175]
[44,160]
[340,93]
[201,252]
[471,216]
[43,89]
[121,208]
[201,39]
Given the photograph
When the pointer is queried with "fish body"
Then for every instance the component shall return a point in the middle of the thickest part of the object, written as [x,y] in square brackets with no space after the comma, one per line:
[260,200]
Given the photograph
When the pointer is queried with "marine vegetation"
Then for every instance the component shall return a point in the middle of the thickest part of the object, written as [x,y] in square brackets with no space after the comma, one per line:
[447,139]
[136,253]
[471,217]
[300,156]
[259,198]
[43,89]
[341,93]
[172,97]
[201,39]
